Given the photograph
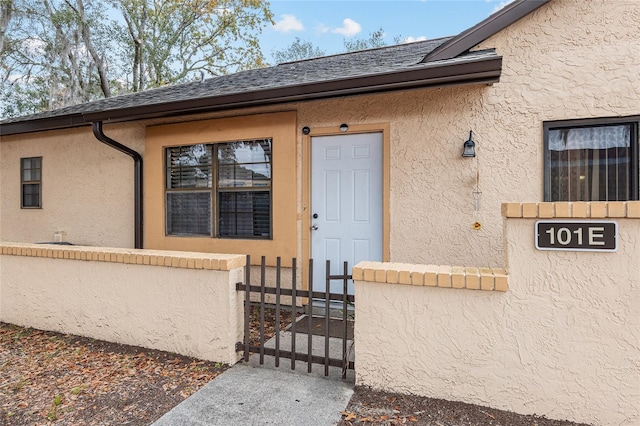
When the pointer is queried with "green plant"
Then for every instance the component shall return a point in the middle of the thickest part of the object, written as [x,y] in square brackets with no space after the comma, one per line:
[52,414]
[76,390]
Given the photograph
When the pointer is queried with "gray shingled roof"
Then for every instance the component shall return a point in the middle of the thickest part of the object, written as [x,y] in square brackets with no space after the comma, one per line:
[346,68]
[325,68]
[422,64]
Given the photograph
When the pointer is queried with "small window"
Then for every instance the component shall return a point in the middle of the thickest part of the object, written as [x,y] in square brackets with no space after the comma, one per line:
[595,160]
[31,182]
[221,190]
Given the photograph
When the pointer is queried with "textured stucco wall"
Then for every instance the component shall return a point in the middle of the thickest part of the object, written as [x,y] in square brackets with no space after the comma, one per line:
[194,312]
[87,187]
[569,59]
[563,341]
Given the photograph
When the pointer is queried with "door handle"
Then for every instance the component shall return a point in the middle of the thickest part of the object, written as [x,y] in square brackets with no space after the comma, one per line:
[314,227]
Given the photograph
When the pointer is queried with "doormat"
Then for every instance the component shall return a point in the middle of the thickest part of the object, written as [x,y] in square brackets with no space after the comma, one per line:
[319,327]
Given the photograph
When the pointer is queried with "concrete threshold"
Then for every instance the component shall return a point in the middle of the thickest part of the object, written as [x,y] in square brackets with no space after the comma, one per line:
[254,394]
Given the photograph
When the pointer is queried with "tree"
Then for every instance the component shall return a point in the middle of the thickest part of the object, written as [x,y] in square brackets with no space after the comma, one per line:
[297,51]
[175,40]
[49,59]
[63,52]
[376,39]
[6,13]
[302,49]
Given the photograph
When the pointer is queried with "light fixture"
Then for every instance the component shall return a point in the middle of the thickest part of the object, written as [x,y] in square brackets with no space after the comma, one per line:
[306,130]
[469,147]
[344,127]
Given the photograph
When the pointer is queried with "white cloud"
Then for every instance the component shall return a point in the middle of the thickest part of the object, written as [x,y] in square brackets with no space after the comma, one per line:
[349,28]
[288,23]
[411,39]
[322,28]
[501,5]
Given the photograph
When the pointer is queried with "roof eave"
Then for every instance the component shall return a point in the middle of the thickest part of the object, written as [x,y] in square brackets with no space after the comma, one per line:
[485,29]
[49,123]
[478,71]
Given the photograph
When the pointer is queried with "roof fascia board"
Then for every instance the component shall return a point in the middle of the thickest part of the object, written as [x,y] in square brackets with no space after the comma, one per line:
[478,71]
[483,30]
[41,124]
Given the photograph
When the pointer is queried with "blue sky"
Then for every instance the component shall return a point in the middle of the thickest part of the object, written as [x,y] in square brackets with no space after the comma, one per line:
[326,23]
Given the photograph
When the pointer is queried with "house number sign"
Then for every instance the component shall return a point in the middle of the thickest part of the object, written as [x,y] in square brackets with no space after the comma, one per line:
[577,235]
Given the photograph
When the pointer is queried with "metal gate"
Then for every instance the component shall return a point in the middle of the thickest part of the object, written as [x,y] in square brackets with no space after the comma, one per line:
[326,299]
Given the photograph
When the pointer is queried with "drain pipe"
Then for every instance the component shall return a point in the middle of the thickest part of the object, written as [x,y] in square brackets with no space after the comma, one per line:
[137,177]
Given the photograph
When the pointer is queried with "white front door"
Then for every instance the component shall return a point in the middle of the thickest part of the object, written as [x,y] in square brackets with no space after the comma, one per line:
[346,203]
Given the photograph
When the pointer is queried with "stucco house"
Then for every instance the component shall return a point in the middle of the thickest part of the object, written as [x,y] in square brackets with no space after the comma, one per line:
[248,163]
[439,152]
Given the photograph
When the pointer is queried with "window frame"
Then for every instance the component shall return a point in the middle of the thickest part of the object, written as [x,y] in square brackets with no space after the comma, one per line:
[24,182]
[214,192]
[634,173]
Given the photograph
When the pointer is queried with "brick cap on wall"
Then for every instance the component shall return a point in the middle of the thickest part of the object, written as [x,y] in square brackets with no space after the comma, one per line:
[573,210]
[175,259]
[444,276]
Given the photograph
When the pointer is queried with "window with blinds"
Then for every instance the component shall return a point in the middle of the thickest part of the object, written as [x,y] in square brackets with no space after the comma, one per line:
[592,161]
[31,183]
[221,190]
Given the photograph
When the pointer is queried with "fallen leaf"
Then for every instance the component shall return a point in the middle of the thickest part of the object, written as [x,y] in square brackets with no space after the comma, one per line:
[348,415]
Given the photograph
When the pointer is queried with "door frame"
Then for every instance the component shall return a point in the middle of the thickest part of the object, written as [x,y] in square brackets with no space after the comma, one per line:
[306,185]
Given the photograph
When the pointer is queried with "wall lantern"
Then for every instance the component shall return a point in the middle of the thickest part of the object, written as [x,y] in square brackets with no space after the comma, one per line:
[469,147]
[344,127]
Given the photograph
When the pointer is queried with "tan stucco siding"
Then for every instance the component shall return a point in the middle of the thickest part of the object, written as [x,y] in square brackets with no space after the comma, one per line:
[171,301]
[562,341]
[569,59]
[431,208]
[281,128]
[87,187]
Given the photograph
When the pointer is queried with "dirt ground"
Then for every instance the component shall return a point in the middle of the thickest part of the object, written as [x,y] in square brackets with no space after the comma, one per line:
[50,378]
[369,407]
[54,379]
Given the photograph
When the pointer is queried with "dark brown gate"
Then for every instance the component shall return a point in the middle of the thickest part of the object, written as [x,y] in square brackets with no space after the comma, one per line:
[346,320]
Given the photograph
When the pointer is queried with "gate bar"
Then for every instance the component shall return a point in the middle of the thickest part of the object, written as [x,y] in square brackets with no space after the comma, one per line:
[301,293]
[247,308]
[310,320]
[263,284]
[317,359]
[326,318]
[277,330]
[294,309]
[345,285]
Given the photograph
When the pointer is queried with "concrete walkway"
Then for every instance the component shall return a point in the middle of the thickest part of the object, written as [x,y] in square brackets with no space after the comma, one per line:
[250,394]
